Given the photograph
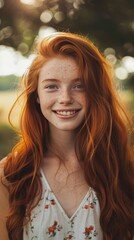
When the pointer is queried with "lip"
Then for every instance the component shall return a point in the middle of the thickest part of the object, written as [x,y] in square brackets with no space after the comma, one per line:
[67,116]
[62,110]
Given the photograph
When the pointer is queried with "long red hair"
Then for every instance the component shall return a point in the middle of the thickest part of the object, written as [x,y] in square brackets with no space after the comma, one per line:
[102,142]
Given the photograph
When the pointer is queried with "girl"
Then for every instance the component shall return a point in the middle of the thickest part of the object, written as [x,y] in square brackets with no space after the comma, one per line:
[71,174]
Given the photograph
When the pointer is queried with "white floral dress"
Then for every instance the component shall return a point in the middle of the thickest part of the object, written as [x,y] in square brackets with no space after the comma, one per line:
[50,222]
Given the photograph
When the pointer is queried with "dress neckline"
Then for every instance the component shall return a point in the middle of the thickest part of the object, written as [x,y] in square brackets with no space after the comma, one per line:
[87,195]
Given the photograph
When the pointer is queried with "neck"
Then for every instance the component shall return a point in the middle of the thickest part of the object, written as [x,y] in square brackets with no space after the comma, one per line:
[62,146]
[63,142]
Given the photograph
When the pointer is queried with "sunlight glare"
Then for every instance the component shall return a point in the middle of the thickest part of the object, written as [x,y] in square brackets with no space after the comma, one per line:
[45,31]
[29,2]
[12,62]
[7,61]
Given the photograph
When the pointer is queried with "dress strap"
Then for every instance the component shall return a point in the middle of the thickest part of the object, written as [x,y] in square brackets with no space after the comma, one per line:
[45,180]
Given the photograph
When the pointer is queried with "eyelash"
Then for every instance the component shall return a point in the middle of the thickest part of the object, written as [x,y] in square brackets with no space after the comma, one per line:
[79,85]
[50,87]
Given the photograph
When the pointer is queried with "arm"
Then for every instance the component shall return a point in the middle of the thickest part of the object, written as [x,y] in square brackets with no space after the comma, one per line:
[4,204]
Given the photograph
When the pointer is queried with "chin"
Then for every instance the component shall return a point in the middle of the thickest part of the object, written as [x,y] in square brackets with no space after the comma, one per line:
[69,128]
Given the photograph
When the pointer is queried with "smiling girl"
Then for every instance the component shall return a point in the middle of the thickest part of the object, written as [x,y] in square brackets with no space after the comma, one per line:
[71,174]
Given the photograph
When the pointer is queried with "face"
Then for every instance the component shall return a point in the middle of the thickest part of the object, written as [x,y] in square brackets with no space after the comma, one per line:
[61,94]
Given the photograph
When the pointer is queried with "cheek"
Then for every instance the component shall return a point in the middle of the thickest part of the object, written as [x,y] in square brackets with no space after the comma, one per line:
[46,102]
[82,99]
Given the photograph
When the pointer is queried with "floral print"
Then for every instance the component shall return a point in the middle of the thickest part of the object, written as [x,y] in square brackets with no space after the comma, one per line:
[50,222]
[49,203]
[52,230]
[70,235]
[56,227]
[90,232]
[73,221]
[91,204]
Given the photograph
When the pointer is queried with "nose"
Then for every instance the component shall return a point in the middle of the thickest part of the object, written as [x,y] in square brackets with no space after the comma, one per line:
[65,97]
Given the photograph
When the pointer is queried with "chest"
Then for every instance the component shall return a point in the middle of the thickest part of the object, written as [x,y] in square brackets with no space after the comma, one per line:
[48,220]
[68,189]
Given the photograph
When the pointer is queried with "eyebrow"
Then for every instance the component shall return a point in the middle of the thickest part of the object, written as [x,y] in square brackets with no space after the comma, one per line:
[57,80]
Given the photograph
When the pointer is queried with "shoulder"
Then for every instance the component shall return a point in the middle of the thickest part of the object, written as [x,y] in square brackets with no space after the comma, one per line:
[4,196]
[2,163]
[4,203]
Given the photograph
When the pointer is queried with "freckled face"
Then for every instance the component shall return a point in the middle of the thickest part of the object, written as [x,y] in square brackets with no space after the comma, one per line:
[61,93]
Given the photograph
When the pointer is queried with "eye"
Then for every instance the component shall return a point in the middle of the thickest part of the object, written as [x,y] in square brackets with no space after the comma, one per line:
[78,86]
[51,87]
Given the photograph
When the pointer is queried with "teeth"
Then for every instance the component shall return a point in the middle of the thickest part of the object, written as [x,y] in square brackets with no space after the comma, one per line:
[66,113]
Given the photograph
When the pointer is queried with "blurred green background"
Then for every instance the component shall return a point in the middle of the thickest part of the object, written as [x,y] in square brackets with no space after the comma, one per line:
[109,24]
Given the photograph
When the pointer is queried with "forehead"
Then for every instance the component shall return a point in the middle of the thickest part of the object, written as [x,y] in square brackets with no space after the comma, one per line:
[59,67]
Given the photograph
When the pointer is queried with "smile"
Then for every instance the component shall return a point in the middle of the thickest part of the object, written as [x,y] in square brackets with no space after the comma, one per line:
[66,113]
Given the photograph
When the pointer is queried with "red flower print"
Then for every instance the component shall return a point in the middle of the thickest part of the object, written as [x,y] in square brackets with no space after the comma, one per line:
[91,205]
[89,232]
[69,235]
[55,223]
[89,229]
[52,202]
[46,206]
[86,206]
[52,230]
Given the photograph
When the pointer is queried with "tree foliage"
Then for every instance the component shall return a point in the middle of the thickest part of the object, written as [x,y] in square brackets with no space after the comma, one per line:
[108,23]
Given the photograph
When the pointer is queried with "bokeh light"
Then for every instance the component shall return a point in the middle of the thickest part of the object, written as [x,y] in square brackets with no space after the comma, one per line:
[128,63]
[5,32]
[45,31]
[29,2]
[1,3]
[59,16]
[34,3]
[111,58]
[121,73]
[23,48]
[108,51]
[27,34]
[46,16]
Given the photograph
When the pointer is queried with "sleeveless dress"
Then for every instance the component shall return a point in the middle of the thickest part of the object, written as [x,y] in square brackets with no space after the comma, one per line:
[50,222]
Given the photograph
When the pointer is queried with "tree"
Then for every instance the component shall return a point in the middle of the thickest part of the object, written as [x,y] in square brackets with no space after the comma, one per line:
[108,23]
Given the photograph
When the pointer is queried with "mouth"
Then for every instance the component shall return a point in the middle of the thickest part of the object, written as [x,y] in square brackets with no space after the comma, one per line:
[66,112]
